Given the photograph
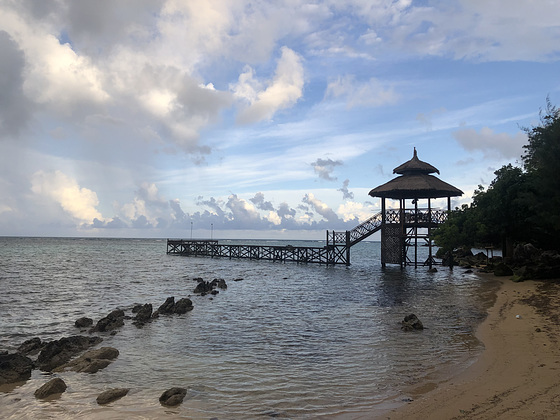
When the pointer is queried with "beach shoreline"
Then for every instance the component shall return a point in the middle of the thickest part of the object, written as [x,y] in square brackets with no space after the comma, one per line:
[518,373]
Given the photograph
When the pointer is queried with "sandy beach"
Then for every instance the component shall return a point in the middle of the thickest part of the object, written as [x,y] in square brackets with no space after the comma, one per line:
[518,374]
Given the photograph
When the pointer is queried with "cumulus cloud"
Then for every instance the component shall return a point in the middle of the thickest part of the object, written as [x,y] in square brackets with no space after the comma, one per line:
[259,201]
[265,99]
[491,143]
[370,93]
[320,207]
[325,167]
[80,203]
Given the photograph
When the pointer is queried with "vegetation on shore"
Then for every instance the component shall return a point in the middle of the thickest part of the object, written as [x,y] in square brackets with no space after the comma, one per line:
[521,205]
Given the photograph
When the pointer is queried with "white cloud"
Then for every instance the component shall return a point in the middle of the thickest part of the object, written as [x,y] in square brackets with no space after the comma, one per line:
[491,143]
[320,207]
[371,93]
[281,92]
[80,203]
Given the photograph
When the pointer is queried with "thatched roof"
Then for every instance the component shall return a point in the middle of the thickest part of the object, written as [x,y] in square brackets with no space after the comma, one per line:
[416,186]
[415,165]
[415,182]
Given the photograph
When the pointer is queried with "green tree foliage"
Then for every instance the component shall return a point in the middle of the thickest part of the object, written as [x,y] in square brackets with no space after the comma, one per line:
[542,163]
[521,204]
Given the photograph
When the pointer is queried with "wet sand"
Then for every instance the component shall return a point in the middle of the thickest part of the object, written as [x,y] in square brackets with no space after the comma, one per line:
[518,374]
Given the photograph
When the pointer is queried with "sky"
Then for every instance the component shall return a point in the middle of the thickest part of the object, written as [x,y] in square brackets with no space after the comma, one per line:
[254,118]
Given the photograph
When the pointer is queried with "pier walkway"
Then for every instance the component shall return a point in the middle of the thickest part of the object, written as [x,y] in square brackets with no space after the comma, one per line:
[336,250]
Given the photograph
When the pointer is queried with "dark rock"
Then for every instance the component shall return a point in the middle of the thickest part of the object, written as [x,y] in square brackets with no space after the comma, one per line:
[183,306]
[214,292]
[239,279]
[112,321]
[173,397]
[432,270]
[31,346]
[54,386]
[91,361]
[111,395]
[58,352]
[168,306]
[411,322]
[143,314]
[83,322]
[501,270]
[221,284]
[203,288]
[14,368]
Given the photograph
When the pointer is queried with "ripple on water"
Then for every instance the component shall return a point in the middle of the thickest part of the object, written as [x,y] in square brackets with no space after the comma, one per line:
[295,339]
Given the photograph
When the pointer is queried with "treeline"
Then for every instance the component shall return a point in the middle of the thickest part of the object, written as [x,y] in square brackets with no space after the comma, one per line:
[521,205]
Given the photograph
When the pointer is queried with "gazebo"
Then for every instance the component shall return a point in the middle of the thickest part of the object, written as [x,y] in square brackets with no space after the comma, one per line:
[402,228]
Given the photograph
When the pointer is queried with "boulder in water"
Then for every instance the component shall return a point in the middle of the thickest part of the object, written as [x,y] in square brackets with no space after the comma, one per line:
[173,397]
[111,395]
[54,386]
[14,368]
[411,322]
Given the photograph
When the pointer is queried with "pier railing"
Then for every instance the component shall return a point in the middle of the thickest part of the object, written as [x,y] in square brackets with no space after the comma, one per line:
[336,251]
[288,253]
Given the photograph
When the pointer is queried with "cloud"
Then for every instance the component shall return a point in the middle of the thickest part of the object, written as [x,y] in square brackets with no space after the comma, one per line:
[80,203]
[15,108]
[491,143]
[325,167]
[346,195]
[281,92]
[321,208]
[258,200]
[371,93]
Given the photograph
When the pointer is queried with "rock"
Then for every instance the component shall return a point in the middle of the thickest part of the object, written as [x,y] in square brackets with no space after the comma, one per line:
[83,322]
[31,346]
[173,397]
[501,270]
[14,368]
[221,284]
[411,322]
[432,270]
[238,279]
[54,386]
[143,314]
[182,306]
[58,352]
[91,361]
[202,288]
[112,321]
[168,306]
[111,395]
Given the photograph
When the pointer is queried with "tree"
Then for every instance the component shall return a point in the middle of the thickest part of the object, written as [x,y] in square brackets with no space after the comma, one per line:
[541,161]
[521,204]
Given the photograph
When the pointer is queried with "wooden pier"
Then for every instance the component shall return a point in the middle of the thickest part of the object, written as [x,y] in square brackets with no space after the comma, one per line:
[336,250]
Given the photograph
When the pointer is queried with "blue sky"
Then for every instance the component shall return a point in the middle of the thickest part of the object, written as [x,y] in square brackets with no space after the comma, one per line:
[257,119]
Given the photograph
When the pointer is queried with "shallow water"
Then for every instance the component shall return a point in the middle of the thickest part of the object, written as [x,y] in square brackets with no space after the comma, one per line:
[289,340]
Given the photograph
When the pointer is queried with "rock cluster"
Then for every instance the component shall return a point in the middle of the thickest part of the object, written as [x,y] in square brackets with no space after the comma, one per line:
[169,307]
[58,352]
[91,361]
[205,287]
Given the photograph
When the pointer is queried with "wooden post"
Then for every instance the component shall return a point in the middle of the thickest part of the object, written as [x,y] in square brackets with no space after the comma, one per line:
[383,238]
[430,231]
[347,247]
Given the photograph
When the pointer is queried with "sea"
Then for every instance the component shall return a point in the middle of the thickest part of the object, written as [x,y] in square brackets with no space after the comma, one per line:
[284,340]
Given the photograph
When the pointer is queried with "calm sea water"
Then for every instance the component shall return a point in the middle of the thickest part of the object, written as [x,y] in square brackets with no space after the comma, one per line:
[288,341]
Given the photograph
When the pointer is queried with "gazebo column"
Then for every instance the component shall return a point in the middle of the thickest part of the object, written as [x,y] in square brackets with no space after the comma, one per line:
[430,231]
[383,233]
